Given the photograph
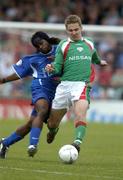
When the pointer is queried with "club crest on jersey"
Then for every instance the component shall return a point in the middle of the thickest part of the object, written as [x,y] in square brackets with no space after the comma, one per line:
[19,62]
[80,49]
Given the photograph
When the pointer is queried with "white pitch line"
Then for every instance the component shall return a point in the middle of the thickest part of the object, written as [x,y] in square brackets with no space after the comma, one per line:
[58,172]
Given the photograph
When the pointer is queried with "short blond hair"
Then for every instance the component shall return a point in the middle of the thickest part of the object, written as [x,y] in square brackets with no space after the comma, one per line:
[71,19]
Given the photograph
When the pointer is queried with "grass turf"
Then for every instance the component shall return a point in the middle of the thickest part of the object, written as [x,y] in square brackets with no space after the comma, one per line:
[101,156]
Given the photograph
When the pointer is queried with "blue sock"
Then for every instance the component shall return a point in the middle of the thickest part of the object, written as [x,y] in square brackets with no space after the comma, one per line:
[13,138]
[34,135]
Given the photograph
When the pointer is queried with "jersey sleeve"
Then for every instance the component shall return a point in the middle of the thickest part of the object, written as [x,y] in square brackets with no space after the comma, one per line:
[22,68]
[95,57]
[59,60]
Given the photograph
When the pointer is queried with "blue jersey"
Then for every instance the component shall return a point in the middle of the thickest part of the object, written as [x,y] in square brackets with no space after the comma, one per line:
[43,83]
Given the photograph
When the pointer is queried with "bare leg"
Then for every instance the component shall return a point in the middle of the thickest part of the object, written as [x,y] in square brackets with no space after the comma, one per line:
[25,129]
[53,123]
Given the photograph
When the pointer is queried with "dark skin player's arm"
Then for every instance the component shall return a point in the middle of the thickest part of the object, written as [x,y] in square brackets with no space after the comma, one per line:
[9,78]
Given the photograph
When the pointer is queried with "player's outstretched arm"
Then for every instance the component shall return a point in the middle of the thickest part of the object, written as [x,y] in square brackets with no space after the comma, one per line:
[9,78]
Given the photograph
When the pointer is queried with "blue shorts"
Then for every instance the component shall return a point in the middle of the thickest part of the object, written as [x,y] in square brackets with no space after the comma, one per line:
[46,90]
[40,92]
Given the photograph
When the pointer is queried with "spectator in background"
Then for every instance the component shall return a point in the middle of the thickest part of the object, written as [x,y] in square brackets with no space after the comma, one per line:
[12,48]
[6,57]
[55,15]
[107,44]
[117,84]
[104,81]
[112,15]
[104,12]
[119,61]
[92,18]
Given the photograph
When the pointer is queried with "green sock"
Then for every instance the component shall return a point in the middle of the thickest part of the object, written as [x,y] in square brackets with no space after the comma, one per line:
[79,134]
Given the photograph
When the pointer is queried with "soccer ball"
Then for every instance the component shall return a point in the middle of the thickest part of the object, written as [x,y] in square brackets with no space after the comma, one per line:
[68,154]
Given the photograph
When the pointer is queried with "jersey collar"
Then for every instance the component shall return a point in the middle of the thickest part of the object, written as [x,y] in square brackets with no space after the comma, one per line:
[70,40]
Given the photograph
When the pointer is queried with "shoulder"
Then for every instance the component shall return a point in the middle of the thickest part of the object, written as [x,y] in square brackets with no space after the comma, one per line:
[89,42]
[89,39]
[63,44]
[25,59]
[31,56]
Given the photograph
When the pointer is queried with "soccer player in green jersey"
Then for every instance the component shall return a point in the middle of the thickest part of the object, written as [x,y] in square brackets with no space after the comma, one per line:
[75,59]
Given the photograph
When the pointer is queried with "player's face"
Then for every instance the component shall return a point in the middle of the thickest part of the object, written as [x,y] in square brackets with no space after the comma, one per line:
[45,47]
[74,31]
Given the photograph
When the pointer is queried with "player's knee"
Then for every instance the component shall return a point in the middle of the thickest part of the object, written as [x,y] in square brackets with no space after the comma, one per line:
[81,117]
[43,115]
[52,123]
[80,123]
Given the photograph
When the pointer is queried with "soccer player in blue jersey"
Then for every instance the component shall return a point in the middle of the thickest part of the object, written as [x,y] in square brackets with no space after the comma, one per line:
[43,90]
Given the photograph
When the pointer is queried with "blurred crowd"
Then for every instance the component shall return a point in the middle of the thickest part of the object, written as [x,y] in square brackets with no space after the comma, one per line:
[54,11]
[14,45]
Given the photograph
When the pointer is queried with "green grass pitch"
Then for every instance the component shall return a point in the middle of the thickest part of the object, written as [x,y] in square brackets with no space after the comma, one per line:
[100,158]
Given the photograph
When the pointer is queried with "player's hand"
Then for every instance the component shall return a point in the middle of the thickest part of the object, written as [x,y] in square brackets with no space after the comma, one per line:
[49,68]
[103,63]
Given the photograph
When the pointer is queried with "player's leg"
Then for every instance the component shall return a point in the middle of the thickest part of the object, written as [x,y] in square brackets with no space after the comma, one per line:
[81,99]
[53,123]
[42,108]
[16,136]
[59,107]
[80,110]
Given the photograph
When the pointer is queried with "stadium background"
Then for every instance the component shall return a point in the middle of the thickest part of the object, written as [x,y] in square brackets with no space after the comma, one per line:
[107,93]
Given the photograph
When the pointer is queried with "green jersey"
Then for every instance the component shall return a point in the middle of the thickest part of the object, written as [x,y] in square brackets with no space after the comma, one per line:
[74,60]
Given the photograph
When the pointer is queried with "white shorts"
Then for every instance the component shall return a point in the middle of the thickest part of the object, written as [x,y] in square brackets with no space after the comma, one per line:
[67,92]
